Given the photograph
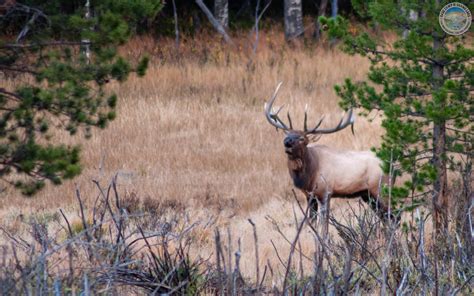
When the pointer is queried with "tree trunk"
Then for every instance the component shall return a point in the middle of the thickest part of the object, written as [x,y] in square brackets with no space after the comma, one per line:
[176,27]
[440,201]
[221,12]
[87,47]
[293,19]
[196,22]
[440,198]
[413,16]
[334,8]
[215,23]
[321,12]
[465,210]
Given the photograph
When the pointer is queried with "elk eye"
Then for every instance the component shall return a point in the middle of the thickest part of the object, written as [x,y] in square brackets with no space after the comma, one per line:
[301,139]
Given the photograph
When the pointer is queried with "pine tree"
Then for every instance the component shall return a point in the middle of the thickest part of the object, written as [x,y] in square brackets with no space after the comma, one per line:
[422,84]
[59,55]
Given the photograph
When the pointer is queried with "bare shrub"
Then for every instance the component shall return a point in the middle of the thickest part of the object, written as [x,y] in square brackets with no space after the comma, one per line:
[112,251]
[104,251]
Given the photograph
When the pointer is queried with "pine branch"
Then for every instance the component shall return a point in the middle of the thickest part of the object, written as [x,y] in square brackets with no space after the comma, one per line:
[10,94]
[44,44]
[459,131]
[394,56]
[21,70]
[460,61]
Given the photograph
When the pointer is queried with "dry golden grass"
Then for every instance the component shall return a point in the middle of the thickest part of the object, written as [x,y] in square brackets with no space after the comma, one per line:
[192,131]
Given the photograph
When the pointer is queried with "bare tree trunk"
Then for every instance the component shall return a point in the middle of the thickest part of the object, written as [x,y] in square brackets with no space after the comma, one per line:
[334,8]
[413,17]
[196,22]
[321,12]
[176,27]
[465,210]
[87,47]
[221,12]
[255,45]
[217,25]
[440,199]
[257,20]
[293,19]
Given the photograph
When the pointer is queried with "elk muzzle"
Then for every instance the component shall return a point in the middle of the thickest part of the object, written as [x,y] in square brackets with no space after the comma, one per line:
[292,142]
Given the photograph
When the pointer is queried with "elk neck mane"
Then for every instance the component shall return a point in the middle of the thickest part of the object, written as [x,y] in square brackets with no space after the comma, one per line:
[302,169]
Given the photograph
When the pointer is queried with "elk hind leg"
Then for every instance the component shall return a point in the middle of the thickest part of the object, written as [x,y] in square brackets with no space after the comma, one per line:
[378,207]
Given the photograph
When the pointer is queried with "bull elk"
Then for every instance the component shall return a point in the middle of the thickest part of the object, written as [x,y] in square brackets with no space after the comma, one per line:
[320,171]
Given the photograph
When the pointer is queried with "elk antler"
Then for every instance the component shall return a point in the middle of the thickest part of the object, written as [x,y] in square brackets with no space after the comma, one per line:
[272,116]
[273,119]
[343,123]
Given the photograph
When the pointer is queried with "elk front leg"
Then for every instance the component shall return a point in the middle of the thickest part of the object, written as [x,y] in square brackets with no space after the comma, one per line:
[313,206]
[326,205]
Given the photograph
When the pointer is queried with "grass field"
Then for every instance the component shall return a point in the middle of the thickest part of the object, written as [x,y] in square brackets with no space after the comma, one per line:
[192,152]
[195,127]
[191,135]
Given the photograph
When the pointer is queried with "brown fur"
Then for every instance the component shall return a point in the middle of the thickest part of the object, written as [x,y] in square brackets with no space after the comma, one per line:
[323,172]
[319,170]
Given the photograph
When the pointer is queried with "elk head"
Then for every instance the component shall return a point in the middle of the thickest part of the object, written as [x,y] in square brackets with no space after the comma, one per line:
[296,141]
